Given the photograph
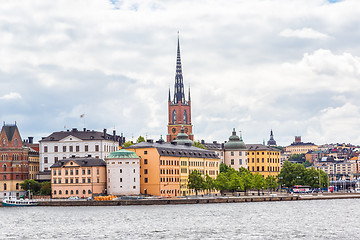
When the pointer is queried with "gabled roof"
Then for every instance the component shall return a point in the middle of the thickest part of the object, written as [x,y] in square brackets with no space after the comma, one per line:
[9,131]
[82,162]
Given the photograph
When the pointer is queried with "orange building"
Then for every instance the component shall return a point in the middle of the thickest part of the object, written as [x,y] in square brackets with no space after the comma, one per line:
[263,160]
[81,177]
[165,167]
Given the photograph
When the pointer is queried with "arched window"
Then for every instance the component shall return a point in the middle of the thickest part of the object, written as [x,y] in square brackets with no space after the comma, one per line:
[3,142]
[60,192]
[16,142]
[54,192]
[17,186]
[66,192]
[4,186]
[84,192]
[89,191]
[4,166]
[72,192]
[185,117]
[174,117]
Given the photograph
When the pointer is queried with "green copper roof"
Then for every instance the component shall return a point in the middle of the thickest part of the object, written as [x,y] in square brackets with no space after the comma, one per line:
[235,142]
[182,137]
[123,154]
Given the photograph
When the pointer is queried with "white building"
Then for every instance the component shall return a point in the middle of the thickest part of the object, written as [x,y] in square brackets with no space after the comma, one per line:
[235,152]
[123,173]
[75,143]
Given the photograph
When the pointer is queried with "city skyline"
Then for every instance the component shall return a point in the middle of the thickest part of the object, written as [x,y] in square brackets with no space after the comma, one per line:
[287,66]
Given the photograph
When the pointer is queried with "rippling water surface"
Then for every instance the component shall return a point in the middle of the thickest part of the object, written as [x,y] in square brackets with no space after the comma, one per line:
[325,219]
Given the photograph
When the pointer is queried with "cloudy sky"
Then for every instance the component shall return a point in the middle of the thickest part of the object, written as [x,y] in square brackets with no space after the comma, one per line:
[291,66]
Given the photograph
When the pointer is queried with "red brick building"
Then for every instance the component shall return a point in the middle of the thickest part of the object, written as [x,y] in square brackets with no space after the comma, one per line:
[13,161]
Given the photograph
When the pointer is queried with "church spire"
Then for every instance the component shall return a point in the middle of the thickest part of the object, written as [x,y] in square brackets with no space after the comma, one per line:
[169,95]
[179,85]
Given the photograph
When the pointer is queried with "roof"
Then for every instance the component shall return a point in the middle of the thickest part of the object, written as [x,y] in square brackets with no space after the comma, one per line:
[122,154]
[260,147]
[168,149]
[82,162]
[9,131]
[83,135]
[301,143]
[235,142]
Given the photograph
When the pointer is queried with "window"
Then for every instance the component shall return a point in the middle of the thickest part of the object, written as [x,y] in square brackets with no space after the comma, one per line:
[77,192]
[45,159]
[56,149]
[145,171]
[145,180]
[97,180]
[66,180]
[89,171]
[59,180]
[54,172]
[78,148]
[66,172]
[134,171]
[64,148]
[145,161]
[71,172]
[71,192]
[120,170]
[84,192]
[185,117]
[71,180]
[89,191]
[86,150]
[240,153]
[76,172]
[17,186]
[4,142]
[76,180]
[83,180]
[66,192]
[145,152]
[5,187]
[89,180]
[60,192]
[83,171]
[232,161]
[97,171]
[56,159]
[54,192]
[96,148]
[71,149]
[45,149]
[240,161]
[134,187]
[134,179]
[232,153]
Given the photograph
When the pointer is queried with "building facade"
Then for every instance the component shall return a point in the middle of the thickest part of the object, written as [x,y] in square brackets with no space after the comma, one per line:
[123,173]
[264,160]
[165,167]
[235,152]
[14,166]
[76,143]
[81,177]
[299,147]
[179,109]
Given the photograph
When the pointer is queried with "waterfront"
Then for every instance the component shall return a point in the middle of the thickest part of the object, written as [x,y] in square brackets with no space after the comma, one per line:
[323,219]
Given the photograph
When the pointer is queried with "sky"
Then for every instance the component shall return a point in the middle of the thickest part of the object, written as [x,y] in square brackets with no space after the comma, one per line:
[290,66]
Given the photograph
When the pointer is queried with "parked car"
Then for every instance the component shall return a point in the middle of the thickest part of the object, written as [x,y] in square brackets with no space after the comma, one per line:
[73,198]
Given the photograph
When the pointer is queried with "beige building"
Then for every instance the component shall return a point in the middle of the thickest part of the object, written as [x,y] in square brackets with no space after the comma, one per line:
[337,170]
[34,163]
[235,152]
[299,147]
[81,177]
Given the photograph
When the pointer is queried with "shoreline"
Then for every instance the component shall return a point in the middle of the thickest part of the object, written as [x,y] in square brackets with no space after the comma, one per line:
[199,200]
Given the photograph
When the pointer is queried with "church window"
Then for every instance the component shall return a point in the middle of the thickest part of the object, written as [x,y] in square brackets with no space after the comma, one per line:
[174,117]
[185,117]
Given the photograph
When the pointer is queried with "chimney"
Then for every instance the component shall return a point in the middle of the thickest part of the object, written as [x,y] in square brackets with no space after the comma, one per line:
[114,135]
[150,141]
[84,129]
[202,141]
[31,139]
[214,142]
[105,133]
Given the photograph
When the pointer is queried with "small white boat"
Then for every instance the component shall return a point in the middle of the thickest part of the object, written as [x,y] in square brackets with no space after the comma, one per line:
[14,202]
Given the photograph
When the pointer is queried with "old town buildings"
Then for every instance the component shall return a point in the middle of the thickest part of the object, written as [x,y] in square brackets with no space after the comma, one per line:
[82,177]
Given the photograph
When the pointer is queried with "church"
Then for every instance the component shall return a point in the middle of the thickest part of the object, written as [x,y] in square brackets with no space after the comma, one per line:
[179,109]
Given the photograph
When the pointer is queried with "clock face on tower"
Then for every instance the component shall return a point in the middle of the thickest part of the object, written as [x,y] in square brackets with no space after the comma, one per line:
[174,130]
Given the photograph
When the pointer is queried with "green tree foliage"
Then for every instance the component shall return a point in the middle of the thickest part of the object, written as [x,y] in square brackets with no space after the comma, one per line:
[271,182]
[279,147]
[296,174]
[222,182]
[45,188]
[128,144]
[140,139]
[297,158]
[209,183]
[33,185]
[223,167]
[259,182]
[247,178]
[307,164]
[198,144]
[195,181]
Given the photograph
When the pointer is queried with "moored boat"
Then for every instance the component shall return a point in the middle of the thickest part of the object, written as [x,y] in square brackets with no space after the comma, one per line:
[14,202]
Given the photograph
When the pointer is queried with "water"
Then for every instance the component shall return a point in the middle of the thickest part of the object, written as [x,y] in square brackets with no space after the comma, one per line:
[323,219]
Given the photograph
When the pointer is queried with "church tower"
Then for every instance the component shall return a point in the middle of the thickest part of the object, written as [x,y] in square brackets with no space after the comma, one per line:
[179,109]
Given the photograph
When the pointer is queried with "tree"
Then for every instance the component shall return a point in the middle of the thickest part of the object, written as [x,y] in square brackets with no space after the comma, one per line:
[198,144]
[209,183]
[140,139]
[271,182]
[222,182]
[297,158]
[33,185]
[247,179]
[45,188]
[307,164]
[235,181]
[223,167]
[195,181]
[127,144]
[259,182]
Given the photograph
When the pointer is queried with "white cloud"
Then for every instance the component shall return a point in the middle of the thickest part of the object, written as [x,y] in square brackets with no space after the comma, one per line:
[303,33]
[11,96]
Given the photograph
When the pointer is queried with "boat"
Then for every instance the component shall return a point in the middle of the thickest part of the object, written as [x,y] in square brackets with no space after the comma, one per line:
[14,202]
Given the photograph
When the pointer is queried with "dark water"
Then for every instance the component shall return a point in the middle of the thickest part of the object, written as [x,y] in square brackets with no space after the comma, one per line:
[324,219]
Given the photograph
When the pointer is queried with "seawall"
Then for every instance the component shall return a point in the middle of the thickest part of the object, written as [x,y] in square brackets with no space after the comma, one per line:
[197,200]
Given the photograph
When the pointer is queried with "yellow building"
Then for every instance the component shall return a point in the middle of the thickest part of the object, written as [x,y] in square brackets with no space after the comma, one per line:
[264,160]
[34,163]
[81,177]
[165,167]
